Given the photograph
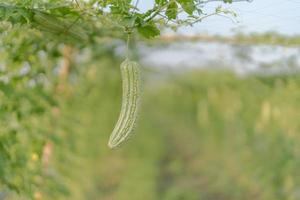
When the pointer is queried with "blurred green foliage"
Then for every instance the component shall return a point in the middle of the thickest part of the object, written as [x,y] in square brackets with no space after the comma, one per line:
[201,135]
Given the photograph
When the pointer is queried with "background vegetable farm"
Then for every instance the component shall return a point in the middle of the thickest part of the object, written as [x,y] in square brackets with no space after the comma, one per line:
[201,134]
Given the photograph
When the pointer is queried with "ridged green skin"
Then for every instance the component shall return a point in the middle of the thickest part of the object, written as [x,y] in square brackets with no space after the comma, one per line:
[130,72]
[49,23]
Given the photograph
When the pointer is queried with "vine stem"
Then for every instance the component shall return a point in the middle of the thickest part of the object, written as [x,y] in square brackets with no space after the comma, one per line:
[128,46]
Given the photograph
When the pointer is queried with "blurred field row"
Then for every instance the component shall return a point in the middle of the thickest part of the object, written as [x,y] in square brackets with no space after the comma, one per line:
[201,135]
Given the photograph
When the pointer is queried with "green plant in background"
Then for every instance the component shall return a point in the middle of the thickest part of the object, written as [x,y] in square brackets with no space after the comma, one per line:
[60,91]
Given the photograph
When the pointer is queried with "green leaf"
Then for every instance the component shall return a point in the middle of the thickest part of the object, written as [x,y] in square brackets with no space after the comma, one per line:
[188,6]
[128,21]
[148,30]
[227,1]
[172,11]
[160,2]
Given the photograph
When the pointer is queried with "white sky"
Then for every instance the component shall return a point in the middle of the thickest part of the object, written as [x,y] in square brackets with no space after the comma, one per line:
[282,16]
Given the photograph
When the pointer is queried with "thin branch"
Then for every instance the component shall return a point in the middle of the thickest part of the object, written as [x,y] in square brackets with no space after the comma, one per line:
[137,3]
[206,16]
[159,10]
[227,18]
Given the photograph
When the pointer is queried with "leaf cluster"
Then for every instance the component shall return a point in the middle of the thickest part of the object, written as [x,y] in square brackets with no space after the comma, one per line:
[85,20]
